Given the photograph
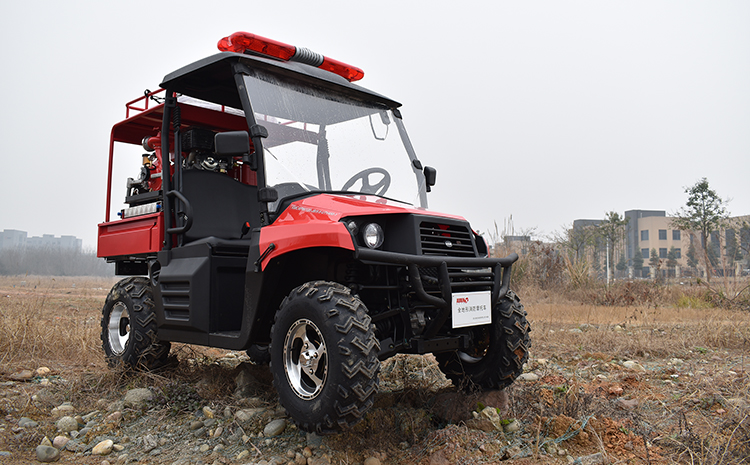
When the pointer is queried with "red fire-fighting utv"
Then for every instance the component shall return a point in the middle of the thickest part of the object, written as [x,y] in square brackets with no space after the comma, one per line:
[281,209]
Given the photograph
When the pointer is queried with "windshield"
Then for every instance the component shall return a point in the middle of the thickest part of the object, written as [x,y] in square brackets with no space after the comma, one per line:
[321,141]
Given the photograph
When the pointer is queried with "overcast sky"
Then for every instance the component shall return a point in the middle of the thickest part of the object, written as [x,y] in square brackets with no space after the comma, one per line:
[548,111]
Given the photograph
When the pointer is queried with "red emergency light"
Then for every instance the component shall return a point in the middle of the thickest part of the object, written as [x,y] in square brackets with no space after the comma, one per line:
[243,42]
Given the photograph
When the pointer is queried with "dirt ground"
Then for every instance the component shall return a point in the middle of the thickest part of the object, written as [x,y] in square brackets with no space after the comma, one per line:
[603,385]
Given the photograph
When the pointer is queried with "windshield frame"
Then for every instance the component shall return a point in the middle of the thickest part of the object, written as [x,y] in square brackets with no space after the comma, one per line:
[348,95]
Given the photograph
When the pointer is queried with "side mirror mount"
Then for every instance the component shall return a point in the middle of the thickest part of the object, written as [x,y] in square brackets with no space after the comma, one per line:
[235,144]
[430,174]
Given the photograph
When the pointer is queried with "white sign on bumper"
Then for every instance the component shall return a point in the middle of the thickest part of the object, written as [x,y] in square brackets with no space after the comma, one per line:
[472,309]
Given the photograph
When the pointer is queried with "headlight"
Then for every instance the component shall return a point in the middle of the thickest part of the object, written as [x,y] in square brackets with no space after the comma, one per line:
[373,235]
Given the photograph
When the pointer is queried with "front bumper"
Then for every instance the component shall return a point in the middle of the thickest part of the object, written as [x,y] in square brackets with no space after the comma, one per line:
[449,274]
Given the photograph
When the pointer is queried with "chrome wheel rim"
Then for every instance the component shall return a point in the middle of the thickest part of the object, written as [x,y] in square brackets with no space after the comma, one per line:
[119,328]
[305,359]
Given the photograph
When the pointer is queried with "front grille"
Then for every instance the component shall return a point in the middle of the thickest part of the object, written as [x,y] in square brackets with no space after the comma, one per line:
[447,240]
[462,279]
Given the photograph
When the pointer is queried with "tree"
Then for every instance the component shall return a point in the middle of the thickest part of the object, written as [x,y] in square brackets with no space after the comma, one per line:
[611,229]
[574,241]
[622,263]
[655,263]
[672,258]
[692,259]
[703,213]
[637,258]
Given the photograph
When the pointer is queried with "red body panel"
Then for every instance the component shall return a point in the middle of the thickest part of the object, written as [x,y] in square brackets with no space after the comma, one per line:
[315,222]
[138,235]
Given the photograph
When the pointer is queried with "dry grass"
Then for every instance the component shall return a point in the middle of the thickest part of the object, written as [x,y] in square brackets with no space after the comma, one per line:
[703,418]
[47,321]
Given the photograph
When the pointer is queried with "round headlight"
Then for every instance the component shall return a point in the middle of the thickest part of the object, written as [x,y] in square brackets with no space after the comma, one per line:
[373,235]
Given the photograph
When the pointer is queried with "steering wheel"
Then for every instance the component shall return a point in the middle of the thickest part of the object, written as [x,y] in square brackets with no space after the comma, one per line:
[377,188]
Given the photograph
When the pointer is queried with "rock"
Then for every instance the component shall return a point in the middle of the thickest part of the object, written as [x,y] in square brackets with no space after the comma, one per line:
[628,404]
[25,422]
[300,459]
[204,448]
[118,448]
[23,375]
[244,382]
[74,446]
[114,417]
[137,398]
[59,442]
[103,448]
[66,408]
[248,413]
[47,454]
[43,371]
[243,455]
[676,361]
[372,461]
[575,330]
[67,424]
[618,329]
[633,365]
[481,424]
[149,443]
[46,442]
[528,377]
[274,428]
[439,458]
[208,412]
[490,413]
[592,459]
[194,425]
[512,426]
[90,416]
[313,440]
[322,460]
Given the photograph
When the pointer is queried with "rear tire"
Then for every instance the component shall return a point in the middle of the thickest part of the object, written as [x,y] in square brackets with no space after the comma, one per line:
[324,357]
[498,351]
[129,326]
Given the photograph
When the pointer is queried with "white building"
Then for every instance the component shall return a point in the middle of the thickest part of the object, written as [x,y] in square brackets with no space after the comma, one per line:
[14,239]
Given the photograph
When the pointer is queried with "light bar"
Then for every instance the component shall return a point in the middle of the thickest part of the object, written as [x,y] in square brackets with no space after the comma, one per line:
[244,42]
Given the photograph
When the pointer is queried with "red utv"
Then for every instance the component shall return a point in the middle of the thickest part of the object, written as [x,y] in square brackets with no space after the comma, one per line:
[281,209]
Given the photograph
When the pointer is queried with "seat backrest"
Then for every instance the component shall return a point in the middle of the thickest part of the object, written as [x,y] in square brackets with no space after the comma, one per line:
[221,205]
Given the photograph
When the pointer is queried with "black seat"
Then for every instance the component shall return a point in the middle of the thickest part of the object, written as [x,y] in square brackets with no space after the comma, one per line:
[220,205]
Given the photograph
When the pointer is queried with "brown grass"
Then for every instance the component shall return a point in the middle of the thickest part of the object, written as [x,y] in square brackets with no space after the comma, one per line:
[50,320]
[56,323]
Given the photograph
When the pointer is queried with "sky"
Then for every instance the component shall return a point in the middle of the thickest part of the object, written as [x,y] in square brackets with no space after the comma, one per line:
[534,113]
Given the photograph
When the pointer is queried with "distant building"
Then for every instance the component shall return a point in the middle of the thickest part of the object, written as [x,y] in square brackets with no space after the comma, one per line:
[649,230]
[13,239]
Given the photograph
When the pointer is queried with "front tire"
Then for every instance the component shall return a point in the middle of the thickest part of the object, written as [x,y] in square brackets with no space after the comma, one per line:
[498,351]
[324,357]
[129,326]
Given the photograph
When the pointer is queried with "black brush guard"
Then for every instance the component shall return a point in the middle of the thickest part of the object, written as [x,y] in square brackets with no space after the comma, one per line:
[447,267]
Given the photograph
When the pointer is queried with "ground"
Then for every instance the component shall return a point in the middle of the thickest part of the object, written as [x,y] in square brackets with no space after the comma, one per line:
[603,385]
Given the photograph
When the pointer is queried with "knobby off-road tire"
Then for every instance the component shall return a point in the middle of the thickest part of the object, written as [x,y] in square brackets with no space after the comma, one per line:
[499,350]
[324,357]
[259,354]
[129,327]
